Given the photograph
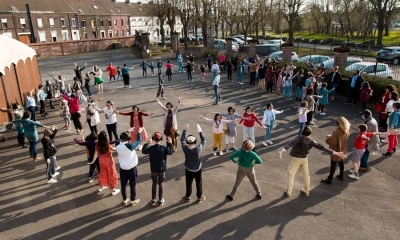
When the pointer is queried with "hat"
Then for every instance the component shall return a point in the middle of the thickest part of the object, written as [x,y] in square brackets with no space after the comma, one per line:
[367,112]
[157,136]
[190,139]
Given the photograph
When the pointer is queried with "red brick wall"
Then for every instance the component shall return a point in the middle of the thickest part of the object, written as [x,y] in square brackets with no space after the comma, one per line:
[71,47]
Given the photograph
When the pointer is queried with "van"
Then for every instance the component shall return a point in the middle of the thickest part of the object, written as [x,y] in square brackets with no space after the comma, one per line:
[262,50]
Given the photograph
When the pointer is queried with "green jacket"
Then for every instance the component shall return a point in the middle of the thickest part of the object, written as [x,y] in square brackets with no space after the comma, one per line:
[245,159]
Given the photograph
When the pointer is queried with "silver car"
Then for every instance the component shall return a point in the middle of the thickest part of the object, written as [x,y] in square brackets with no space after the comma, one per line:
[371,68]
[314,59]
[278,56]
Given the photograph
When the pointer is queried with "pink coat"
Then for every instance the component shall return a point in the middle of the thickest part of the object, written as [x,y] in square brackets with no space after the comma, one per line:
[279,82]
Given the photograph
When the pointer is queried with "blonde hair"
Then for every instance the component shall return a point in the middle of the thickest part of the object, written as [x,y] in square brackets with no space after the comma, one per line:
[247,145]
[344,125]
[47,133]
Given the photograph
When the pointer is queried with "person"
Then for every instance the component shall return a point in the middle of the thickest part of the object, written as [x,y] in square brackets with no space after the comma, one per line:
[30,133]
[380,106]
[108,175]
[355,86]
[65,114]
[136,122]
[110,113]
[90,143]
[279,81]
[337,141]
[191,61]
[202,72]
[144,66]
[78,72]
[300,84]
[240,72]
[170,119]
[98,79]
[366,92]
[229,69]
[303,110]
[41,96]
[168,72]
[193,163]
[248,120]
[151,66]
[180,63]
[253,71]
[17,111]
[61,82]
[320,74]
[87,84]
[335,78]
[308,84]
[74,110]
[394,128]
[215,84]
[372,143]
[119,75]
[49,153]
[359,148]
[111,71]
[215,68]
[269,121]
[324,100]
[301,146]
[245,159]
[287,86]
[245,66]
[270,78]
[218,131]
[128,162]
[230,132]
[125,75]
[50,93]
[310,106]
[158,164]
[289,68]
[209,62]
[234,63]
[160,90]
[189,71]
[393,97]
[261,77]
[159,66]
[92,115]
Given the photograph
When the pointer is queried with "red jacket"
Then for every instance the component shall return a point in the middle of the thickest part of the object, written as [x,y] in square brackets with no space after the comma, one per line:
[111,70]
[140,117]
[73,103]
[250,123]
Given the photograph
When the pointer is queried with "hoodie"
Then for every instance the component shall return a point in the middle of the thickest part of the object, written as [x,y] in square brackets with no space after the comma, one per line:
[302,145]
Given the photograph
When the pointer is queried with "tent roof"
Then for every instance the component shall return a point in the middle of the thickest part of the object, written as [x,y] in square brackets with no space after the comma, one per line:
[13,51]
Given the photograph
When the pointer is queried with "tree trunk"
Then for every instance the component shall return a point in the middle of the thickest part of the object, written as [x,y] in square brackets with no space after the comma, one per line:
[380,26]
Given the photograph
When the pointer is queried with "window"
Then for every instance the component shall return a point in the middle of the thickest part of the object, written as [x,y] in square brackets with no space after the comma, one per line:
[127,22]
[83,23]
[122,33]
[42,36]
[146,23]
[22,22]
[122,22]
[380,68]
[62,22]
[109,22]
[51,21]
[64,34]
[85,36]
[369,69]
[53,36]
[4,22]
[73,22]
[93,23]
[39,22]
[101,23]
[116,33]
[115,22]
[8,34]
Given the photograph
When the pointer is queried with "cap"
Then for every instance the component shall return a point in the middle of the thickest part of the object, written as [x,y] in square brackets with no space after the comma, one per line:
[190,139]
[157,136]
[367,112]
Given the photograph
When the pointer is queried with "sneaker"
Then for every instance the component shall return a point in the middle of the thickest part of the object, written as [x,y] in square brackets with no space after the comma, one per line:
[52,181]
[153,202]
[57,168]
[353,176]
[233,149]
[221,153]
[304,192]
[226,150]
[115,191]
[270,142]
[314,120]
[187,81]
[90,179]
[287,193]
[125,202]
[215,153]
[385,140]
[326,180]
[259,196]
[102,188]
[55,174]
[351,171]
[312,123]
[229,197]
[134,202]
[265,144]
[322,113]
[201,199]
[161,201]
[186,199]
[241,83]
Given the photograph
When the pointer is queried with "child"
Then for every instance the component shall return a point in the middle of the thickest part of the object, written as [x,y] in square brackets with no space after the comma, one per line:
[202,72]
[394,128]
[279,81]
[49,152]
[248,120]
[366,92]
[152,69]
[290,68]
[17,112]
[245,159]
[239,73]
[359,148]
[159,66]
[119,73]
[158,164]
[245,67]
[269,122]
[160,86]
[65,114]
[218,131]
[324,100]
[90,143]
[302,116]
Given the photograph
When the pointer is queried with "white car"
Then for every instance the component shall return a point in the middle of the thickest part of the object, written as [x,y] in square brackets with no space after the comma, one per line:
[237,40]
[241,37]
[276,42]
[382,69]
[278,56]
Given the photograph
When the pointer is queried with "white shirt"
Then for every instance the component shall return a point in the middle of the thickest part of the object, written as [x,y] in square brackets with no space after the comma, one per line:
[215,68]
[218,126]
[127,158]
[389,106]
[111,117]
[216,80]
[95,119]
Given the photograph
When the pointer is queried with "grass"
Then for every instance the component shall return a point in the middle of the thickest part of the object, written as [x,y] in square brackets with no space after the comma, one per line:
[307,51]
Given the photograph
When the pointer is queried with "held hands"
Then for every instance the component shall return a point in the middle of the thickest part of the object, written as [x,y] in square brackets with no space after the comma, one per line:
[280,154]
[131,129]
[340,154]
[169,140]
[140,130]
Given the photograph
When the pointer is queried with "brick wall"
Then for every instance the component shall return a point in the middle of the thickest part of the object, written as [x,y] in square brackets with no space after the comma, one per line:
[71,47]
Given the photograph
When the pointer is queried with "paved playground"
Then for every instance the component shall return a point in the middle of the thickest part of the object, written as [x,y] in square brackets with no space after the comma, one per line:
[72,208]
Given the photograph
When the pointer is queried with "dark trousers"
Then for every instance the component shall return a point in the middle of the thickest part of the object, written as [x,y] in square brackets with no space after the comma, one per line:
[131,176]
[310,115]
[126,78]
[144,72]
[209,67]
[189,73]
[252,78]
[189,180]
[333,169]
[158,179]
[160,91]
[75,119]
[93,166]
[269,86]
[93,129]
[383,121]
[112,77]
[364,158]
[42,107]
[112,129]
[51,103]
[21,139]
[229,75]
[353,95]
[364,105]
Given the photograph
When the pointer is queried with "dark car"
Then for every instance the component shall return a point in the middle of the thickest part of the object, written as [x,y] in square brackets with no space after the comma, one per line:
[190,40]
[389,54]
[262,50]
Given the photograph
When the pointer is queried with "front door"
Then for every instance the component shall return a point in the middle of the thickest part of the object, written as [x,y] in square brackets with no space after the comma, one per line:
[25,38]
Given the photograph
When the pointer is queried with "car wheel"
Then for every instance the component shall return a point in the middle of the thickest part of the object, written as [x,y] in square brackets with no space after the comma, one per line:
[390,77]
[395,61]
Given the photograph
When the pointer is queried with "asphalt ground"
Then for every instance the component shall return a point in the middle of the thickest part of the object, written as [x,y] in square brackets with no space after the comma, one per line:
[72,208]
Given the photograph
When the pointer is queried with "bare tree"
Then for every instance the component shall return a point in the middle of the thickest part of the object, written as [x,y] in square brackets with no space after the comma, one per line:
[185,10]
[292,8]
[159,10]
[381,8]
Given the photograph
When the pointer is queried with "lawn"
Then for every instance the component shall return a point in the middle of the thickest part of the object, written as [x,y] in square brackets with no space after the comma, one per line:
[307,51]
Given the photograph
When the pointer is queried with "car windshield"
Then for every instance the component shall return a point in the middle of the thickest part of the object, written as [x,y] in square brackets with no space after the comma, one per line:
[275,54]
[355,66]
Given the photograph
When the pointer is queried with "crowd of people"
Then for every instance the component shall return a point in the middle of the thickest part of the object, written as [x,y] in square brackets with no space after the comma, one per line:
[312,92]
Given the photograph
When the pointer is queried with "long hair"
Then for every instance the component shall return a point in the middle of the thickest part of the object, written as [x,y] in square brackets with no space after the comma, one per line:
[344,125]
[103,146]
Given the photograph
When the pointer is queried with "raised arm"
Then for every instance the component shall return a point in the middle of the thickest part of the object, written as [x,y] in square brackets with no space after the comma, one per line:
[161,105]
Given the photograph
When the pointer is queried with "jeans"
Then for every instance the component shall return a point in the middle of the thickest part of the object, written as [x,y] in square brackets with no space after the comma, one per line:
[214,74]
[242,172]
[112,129]
[89,90]
[131,176]
[299,93]
[217,95]
[180,66]
[33,149]
[189,180]
[364,158]
[93,166]
[295,164]
[158,179]
[333,169]
[252,78]
[301,127]
[189,74]
[239,77]
[50,167]
[209,67]
[268,131]
[334,85]
[248,132]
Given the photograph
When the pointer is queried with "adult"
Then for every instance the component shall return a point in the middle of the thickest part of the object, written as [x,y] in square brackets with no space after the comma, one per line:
[394,129]
[30,133]
[380,106]
[235,63]
[189,67]
[229,70]
[337,141]
[110,113]
[98,78]
[144,66]
[170,119]
[209,62]
[87,85]
[215,68]
[136,122]
[320,74]
[335,78]
[270,78]
[253,72]
[301,146]
[191,60]
[230,132]
[50,93]
[180,63]
[111,71]
[168,72]
[18,112]
[41,96]
[215,84]
[78,72]
[92,115]
[61,82]
[373,142]
[125,75]
[261,77]
[31,104]
[355,86]
[300,84]
[75,111]
[159,66]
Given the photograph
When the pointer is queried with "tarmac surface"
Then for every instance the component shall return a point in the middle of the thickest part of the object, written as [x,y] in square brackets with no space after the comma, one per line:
[72,208]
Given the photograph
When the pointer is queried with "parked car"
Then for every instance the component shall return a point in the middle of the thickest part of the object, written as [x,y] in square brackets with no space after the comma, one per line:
[238,41]
[278,56]
[314,59]
[350,60]
[220,44]
[241,37]
[276,42]
[389,54]
[190,40]
[167,43]
[262,50]
[371,68]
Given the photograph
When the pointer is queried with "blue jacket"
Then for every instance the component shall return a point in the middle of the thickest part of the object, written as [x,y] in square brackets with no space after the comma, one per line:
[394,119]
[30,129]
[324,92]
[144,65]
